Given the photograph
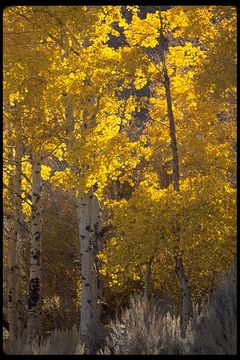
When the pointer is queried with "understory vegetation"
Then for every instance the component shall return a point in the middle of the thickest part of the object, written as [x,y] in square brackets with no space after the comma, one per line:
[143,328]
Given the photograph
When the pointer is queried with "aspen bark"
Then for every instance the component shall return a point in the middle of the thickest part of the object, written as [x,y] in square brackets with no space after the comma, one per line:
[18,217]
[88,214]
[14,190]
[147,278]
[85,218]
[34,299]
[183,281]
[96,281]
[19,294]
[87,209]
[12,318]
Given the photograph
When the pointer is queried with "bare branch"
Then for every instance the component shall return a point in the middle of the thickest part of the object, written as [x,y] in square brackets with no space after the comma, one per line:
[158,121]
[14,192]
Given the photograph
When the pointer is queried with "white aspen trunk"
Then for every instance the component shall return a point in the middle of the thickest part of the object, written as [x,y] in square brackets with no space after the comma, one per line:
[96,284]
[183,281]
[87,209]
[147,278]
[18,217]
[88,215]
[12,238]
[85,222]
[12,314]
[34,299]
[19,294]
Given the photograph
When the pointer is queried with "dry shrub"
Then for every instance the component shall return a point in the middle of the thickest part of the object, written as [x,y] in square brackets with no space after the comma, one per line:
[213,331]
[58,343]
[143,329]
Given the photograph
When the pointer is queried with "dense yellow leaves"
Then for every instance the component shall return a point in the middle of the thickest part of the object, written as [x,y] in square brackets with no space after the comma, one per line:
[140,80]
[143,32]
[206,212]
[62,178]
[45,172]
[185,56]
[78,102]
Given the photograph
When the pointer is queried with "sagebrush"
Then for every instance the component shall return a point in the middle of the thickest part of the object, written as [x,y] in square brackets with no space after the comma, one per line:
[144,329]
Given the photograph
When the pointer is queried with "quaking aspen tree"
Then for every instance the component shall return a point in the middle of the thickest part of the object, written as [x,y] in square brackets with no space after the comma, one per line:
[181,274]
[12,314]
[34,299]
[14,154]
[18,218]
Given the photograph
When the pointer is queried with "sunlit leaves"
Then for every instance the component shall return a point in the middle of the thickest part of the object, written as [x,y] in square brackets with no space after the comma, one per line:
[205,210]
[144,32]
[77,101]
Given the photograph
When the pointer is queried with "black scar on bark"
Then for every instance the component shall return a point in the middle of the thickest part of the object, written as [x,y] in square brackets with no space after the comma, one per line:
[37,237]
[89,301]
[87,284]
[36,254]
[34,292]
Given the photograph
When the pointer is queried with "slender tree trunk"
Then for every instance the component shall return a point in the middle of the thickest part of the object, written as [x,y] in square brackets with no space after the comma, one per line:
[12,314]
[13,233]
[18,217]
[85,213]
[185,293]
[183,281]
[19,294]
[147,278]
[88,215]
[96,280]
[85,221]
[34,299]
